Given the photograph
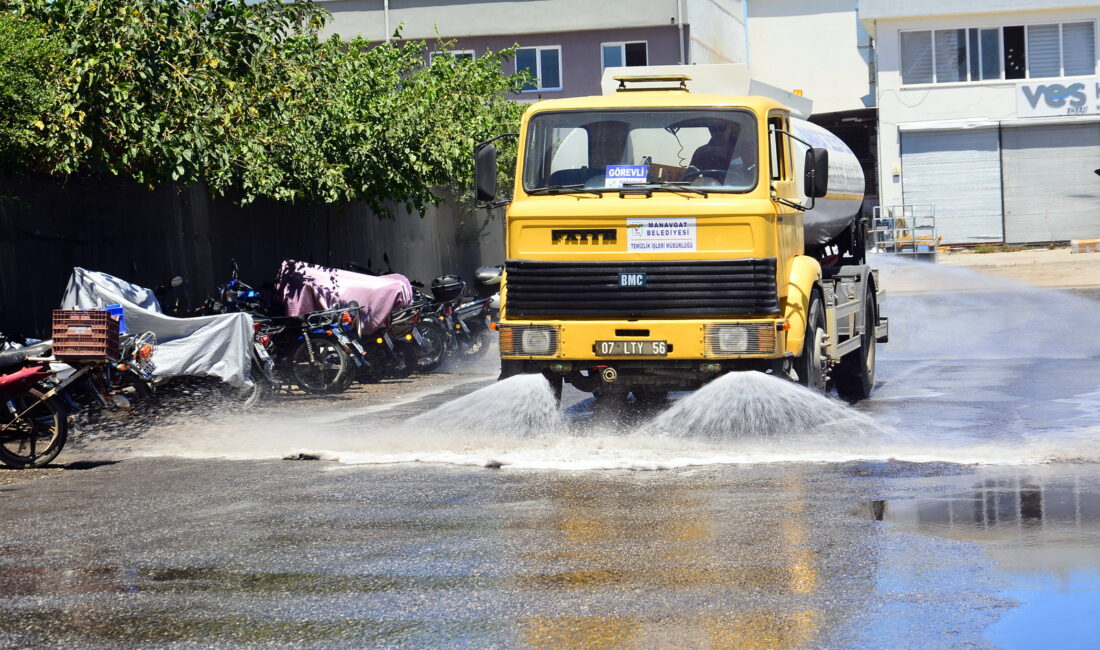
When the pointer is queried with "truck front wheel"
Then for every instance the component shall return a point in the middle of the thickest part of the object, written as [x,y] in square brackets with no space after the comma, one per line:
[855,376]
[810,366]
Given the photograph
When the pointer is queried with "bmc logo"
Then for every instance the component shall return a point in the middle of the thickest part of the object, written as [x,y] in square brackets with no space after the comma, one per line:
[632,279]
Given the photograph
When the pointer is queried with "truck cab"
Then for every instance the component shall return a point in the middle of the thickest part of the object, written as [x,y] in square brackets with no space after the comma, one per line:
[658,238]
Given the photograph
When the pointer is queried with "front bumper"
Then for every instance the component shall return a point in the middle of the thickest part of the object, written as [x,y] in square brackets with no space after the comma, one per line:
[686,340]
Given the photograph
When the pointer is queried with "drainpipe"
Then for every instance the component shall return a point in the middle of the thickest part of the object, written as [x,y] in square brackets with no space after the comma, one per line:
[386,15]
[745,27]
[680,28]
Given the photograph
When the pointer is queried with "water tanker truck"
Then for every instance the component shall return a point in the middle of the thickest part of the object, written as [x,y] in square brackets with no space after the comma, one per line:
[658,238]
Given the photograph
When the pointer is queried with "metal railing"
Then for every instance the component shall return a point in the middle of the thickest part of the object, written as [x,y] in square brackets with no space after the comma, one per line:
[908,230]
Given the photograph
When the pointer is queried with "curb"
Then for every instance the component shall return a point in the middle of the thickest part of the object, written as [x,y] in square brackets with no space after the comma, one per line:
[1084,246]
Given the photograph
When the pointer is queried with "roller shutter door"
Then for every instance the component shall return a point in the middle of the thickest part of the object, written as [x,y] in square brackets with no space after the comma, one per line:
[959,172]
[1051,190]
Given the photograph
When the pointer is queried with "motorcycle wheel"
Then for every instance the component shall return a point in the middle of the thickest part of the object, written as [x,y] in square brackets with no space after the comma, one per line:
[250,397]
[34,439]
[327,369]
[349,377]
[476,347]
[436,347]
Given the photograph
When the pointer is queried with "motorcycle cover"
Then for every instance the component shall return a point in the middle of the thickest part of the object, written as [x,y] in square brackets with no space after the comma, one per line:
[205,346]
[303,288]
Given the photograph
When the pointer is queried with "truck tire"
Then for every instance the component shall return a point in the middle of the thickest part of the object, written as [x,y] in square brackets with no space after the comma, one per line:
[855,376]
[810,365]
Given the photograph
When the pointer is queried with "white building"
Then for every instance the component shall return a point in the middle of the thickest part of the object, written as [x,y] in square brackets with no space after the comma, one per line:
[990,110]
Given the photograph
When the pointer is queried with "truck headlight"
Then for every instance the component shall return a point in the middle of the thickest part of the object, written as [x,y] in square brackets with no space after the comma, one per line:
[733,339]
[725,339]
[535,340]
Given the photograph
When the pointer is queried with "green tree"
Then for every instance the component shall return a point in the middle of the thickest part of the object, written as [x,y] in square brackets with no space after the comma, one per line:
[248,98]
[29,88]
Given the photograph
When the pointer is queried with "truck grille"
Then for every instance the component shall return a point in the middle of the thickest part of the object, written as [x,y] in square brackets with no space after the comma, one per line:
[710,288]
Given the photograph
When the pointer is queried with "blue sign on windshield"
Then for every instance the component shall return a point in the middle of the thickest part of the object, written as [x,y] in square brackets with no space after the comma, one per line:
[619,175]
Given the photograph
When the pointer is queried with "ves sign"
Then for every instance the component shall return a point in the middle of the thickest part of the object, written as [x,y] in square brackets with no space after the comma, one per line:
[1046,99]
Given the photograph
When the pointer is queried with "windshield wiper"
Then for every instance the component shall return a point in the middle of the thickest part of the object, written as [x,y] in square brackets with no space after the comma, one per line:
[564,189]
[670,185]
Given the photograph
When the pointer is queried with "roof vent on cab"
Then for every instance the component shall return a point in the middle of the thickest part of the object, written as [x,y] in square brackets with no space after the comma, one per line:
[651,79]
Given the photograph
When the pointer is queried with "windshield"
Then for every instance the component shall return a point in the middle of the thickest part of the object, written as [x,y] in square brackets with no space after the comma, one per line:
[599,150]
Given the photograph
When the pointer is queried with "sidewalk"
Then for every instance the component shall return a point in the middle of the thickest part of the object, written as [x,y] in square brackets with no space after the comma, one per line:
[970,271]
[1041,267]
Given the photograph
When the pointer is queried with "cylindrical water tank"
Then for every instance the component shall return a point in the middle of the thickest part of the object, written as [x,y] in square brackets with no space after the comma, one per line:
[840,205]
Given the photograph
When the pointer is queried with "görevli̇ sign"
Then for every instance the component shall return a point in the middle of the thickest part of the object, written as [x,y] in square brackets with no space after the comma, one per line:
[1058,98]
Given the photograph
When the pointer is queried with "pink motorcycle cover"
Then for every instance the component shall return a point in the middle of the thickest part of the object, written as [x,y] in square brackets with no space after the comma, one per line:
[305,288]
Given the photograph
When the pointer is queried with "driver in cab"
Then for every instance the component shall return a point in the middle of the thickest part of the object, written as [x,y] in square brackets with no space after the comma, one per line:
[716,155]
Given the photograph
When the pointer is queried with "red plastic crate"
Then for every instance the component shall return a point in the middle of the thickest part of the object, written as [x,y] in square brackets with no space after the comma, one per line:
[89,335]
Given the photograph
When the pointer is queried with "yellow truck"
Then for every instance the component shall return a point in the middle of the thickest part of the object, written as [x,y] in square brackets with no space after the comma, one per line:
[658,238]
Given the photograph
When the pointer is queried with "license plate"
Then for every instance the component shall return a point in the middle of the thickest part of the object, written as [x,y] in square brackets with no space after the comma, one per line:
[358,346]
[631,348]
[418,336]
[261,352]
[387,339]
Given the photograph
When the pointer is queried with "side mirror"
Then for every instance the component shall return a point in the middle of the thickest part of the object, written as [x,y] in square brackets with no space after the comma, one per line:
[817,172]
[176,281]
[485,173]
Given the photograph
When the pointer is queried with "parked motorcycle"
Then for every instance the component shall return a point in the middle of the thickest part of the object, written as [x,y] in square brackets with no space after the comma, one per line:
[33,420]
[40,395]
[465,321]
[309,353]
[98,388]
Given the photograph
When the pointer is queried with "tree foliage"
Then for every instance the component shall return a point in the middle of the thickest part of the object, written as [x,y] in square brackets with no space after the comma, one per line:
[28,89]
[248,98]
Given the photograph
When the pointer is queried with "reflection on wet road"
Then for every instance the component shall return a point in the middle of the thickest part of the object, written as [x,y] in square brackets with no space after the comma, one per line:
[958,507]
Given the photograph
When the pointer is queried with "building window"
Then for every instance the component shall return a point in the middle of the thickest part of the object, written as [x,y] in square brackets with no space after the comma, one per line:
[461,55]
[624,54]
[544,64]
[1013,52]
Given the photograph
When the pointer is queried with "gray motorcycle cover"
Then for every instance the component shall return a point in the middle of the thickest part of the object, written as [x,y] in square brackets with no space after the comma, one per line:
[205,346]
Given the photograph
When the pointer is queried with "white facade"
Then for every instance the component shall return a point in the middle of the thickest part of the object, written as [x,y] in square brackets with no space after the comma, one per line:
[1002,159]
[817,46]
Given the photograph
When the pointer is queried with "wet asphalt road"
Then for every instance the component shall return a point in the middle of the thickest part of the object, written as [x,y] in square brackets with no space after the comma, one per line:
[986,533]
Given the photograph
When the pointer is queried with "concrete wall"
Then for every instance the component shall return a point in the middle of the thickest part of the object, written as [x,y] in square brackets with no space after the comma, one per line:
[580,54]
[717,31]
[47,227]
[960,105]
[818,46]
[423,19]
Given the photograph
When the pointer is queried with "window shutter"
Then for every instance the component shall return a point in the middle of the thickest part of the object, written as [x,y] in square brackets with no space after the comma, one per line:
[916,57]
[950,55]
[1043,56]
[1079,48]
